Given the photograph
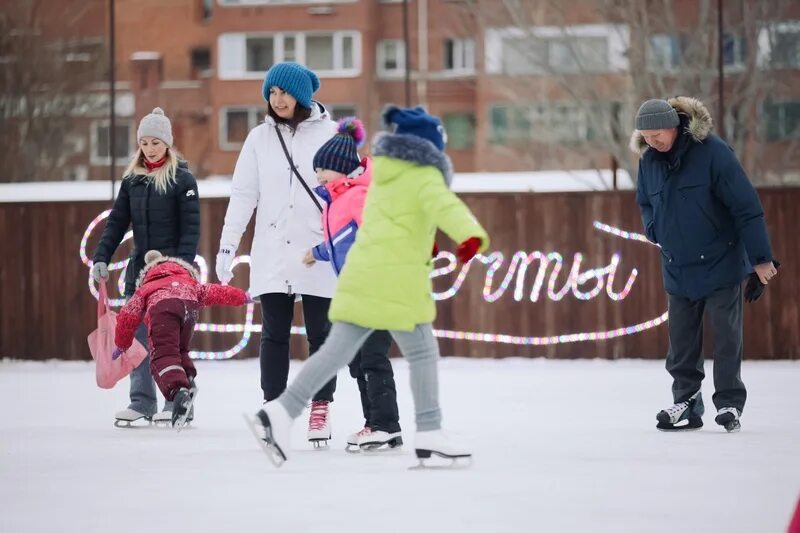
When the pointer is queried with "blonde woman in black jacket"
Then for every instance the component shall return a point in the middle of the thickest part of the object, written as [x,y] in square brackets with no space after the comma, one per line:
[158,199]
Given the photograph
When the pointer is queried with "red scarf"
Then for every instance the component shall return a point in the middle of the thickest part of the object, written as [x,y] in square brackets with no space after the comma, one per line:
[152,166]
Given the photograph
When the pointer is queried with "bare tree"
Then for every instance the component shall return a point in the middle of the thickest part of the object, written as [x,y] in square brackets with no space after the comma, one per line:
[43,88]
[582,82]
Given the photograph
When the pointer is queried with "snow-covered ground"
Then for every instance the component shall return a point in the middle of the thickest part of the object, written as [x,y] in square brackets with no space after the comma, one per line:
[560,446]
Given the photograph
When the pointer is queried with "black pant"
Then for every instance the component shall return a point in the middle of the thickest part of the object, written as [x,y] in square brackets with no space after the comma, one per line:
[277,312]
[685,356]
[373,372]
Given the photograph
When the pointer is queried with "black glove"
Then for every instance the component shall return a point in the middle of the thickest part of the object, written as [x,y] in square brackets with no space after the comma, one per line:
[754,288]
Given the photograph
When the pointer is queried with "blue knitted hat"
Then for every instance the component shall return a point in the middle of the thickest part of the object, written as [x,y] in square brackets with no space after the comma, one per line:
[340,153]
[293,78]
[416,122]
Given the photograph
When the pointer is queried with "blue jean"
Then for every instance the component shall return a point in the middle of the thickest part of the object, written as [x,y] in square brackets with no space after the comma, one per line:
[143,388]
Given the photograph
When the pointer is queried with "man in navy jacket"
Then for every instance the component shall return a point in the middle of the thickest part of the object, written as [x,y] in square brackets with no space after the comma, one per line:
[698,205]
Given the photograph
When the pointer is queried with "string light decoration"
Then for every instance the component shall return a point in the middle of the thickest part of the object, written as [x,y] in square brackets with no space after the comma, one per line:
[601,279]
[627,235]
[553,339]
[520,261]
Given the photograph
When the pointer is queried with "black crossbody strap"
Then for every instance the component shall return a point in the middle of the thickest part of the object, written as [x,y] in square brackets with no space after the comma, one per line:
[294,169]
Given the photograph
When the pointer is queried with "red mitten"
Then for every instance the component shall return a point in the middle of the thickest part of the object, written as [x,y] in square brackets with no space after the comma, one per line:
[467,249]
[435,251]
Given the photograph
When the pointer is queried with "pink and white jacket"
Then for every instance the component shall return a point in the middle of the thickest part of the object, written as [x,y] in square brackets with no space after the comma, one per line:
[168,278]
[341,215]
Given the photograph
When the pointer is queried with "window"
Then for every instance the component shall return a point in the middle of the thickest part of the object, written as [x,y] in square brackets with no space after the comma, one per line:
[547,122]
[498,118]
[460,128]
[782,120]
[348,52]
[236,123]
[101,142]
[289,48]
[391,58]
[260,53]
[338,111]
[524,56]
[201,60]
[319,52]
[582,54]
[734,51]
[532,55]
[785,51]
[663,53]
[248,56]
[459,55]
[207,9]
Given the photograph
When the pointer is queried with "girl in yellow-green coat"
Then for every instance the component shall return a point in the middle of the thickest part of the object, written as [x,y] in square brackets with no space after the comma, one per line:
[385,284]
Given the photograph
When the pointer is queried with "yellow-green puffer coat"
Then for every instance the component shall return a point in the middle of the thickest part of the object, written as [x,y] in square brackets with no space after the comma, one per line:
[385,283]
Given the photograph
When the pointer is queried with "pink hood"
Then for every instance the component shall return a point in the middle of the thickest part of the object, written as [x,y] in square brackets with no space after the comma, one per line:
[346,200]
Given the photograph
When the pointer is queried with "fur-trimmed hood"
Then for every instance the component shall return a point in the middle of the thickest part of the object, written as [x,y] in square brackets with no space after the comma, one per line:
[171,266]
[412,149]
[699,126]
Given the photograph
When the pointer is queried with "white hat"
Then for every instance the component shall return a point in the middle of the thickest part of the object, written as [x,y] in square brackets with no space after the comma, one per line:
[157,125]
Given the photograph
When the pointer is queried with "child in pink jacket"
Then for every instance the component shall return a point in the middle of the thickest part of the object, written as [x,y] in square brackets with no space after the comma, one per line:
[168,298]
[344,179]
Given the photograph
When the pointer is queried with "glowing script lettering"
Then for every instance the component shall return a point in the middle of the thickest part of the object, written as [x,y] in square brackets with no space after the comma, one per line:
[582,284]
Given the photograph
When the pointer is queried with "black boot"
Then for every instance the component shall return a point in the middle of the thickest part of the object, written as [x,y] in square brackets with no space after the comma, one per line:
[691,411]
[181,405]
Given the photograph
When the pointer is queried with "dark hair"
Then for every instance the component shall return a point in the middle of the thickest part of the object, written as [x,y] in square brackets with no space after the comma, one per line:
[301,113]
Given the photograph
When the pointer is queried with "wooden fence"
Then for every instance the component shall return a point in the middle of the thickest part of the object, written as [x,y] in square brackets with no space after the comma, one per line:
[46,309]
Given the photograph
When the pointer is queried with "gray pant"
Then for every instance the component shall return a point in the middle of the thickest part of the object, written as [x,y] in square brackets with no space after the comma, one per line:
[143,388]
[685,356]
[344,341]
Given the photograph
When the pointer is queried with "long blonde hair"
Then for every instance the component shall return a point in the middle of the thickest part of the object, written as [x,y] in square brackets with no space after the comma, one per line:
[163,177]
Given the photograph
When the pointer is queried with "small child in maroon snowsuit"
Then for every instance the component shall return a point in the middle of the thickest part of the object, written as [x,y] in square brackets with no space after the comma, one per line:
[168,298]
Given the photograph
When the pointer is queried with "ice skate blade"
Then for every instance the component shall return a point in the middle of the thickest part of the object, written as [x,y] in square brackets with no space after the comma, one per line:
[167,424]
[393,444]
[319,444]
[266,443]
[182,419]
[352,448]
[692,424]
[457,462]
[733,426]
[129,424]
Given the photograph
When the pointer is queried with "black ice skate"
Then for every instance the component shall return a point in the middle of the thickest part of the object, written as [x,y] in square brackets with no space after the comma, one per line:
[182,406]
[163,419]
[683,416]
[728,417]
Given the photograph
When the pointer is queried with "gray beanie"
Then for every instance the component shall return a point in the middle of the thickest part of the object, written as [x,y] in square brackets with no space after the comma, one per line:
[656,115]
[155,125]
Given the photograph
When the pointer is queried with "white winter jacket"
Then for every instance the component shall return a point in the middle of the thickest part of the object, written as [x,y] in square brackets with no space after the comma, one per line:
[287,222]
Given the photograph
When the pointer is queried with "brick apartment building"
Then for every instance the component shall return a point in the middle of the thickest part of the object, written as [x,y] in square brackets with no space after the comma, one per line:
[543,91]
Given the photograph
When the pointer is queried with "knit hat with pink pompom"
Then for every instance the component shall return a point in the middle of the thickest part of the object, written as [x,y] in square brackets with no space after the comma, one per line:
[340,153]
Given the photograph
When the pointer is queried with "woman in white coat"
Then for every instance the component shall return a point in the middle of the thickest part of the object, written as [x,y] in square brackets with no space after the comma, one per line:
[288,223]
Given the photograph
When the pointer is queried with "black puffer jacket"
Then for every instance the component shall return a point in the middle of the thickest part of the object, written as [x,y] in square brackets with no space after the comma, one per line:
[169,223]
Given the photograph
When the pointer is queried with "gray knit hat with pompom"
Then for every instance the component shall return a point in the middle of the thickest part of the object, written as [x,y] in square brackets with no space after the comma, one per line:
[157,125]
